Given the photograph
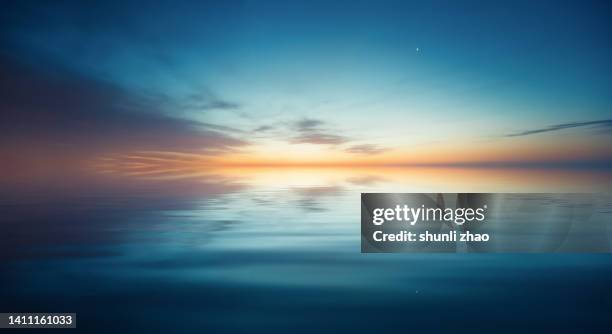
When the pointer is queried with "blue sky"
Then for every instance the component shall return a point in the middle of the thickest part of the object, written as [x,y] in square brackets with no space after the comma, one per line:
[387,75]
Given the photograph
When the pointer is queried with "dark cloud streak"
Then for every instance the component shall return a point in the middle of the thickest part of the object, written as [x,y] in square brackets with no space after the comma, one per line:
[365,149]
[307,124]
[599,124]
[311,131]
[50,106]
[318,138]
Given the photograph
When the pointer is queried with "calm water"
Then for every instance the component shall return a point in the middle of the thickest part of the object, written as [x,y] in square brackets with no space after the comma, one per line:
[277,250]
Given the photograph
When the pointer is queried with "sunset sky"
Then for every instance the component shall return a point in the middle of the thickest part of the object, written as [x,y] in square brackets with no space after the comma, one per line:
[281,83]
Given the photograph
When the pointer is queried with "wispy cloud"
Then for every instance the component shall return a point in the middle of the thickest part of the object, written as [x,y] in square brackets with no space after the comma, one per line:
[208,101]
[313,131]
[599,124]
[318,138]
[263,128]
[308,124]
[365,149]
[90,115]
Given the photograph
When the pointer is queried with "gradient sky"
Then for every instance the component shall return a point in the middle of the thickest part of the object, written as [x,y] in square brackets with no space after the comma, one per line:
[310,82]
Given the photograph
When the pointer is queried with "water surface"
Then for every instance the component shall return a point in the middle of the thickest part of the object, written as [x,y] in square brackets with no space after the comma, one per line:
[278,250]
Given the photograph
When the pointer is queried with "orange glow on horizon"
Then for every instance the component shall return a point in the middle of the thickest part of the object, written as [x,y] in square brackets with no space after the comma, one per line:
[517,151]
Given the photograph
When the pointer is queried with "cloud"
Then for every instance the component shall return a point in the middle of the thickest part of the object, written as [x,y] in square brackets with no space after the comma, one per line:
[219,127]
[365,149]
[52,107]
[600,123]
[263,128]
[318,138]
[311,131]
[192,104]
[307,124]
[208,101]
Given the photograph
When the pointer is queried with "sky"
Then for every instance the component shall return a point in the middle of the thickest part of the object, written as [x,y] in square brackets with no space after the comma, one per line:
[308,82]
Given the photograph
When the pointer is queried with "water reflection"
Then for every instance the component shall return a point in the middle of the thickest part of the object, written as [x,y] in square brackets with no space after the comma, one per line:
[246,249]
